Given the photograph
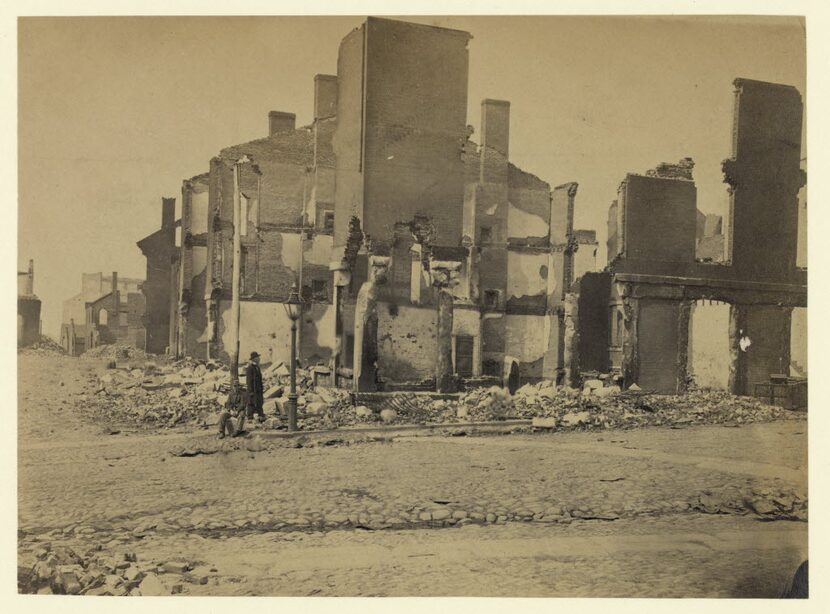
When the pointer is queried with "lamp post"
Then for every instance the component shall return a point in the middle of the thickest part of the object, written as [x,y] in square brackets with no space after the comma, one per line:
[293,307]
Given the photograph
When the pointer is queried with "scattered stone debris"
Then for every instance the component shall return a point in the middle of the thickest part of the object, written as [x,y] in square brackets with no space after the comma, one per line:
[61,571]
[765,504]
[44,346]
[158,394]
[115,352]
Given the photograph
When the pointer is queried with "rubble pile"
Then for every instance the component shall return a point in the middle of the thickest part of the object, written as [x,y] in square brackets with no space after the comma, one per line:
[157,395]
[192,392]
[767,504]
[115,352]
[61,571]
[45,345]
[608,407]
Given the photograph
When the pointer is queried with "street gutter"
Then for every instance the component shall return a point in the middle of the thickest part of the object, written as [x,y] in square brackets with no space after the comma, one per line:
[409,429]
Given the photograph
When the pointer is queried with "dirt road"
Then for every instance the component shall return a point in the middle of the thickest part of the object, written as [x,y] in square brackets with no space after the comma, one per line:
[652,512]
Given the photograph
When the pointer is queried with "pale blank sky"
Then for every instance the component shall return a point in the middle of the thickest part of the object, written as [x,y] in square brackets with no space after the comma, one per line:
[115,112]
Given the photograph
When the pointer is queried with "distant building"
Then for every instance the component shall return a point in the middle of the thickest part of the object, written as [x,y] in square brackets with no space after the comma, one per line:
[108,309]
[28,308]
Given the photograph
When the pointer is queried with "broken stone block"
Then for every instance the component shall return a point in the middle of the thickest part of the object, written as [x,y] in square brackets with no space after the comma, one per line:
[441,514]
[327,395]
[361,411]
[544,423]
[576,418]
[175,567]
[462,413]
[548,393]
[607,391]
[762,506]
[315,408]
[70,582]
[592,384]
[133,575]
[151,585]
[388,415]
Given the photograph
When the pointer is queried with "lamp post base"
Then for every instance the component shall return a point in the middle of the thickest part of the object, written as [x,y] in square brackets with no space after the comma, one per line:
[292,412]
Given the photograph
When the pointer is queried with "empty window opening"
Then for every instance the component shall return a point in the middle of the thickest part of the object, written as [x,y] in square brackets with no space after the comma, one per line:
[491,299]
[708,355]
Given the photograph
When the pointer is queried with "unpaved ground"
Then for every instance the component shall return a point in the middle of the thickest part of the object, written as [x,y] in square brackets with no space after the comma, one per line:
[582,514]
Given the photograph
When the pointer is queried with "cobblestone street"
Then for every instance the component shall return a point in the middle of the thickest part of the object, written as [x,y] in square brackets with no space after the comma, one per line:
[649,512]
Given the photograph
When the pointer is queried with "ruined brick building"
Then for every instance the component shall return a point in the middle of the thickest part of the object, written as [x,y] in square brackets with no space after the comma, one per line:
[662,316]
[28,307]
[420,254]
[108,309]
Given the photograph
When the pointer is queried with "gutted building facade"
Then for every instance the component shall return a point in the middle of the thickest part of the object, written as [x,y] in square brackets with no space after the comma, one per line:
[638,317]
[284,184]
[28,307]
[449,260]
[421,255]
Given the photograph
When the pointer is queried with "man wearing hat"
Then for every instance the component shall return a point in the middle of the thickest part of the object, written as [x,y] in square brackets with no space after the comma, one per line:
[253,382]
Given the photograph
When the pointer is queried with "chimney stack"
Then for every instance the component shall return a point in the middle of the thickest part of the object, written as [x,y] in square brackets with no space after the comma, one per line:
[279,122]
[168,212]
[112,320]
[495,125]
[30,279]
[325,96]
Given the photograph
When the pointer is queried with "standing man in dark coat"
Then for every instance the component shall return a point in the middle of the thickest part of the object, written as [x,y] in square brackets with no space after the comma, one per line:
[253,382]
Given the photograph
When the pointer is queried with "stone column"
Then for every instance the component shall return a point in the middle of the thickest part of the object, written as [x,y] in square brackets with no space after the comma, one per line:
[444,278]
[631,341]
[342,277]
[365,326]
[570,339]
[683,322]
[444,376]
[737,358]
[477,355]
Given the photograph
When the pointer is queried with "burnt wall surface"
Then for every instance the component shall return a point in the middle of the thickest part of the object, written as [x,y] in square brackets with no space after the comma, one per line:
[407,342]
[347,142]
[28,320]
[658,345]
[415,109]
[764,175]
[660,219]
[282,160]
[613,241]
[593,322]
[768,328]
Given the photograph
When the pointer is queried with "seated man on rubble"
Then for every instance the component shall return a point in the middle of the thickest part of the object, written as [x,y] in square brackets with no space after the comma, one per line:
[234,408]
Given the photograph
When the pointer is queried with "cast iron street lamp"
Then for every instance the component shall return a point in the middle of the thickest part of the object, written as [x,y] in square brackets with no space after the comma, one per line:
[293,306]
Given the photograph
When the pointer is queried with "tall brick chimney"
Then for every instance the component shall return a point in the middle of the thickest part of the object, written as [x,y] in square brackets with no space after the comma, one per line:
[279,121]
[112,320]
[325,96]
[495,125]
[30,279]
[168,212]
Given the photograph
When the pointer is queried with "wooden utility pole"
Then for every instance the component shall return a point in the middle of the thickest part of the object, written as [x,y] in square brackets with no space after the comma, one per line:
[237,267]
